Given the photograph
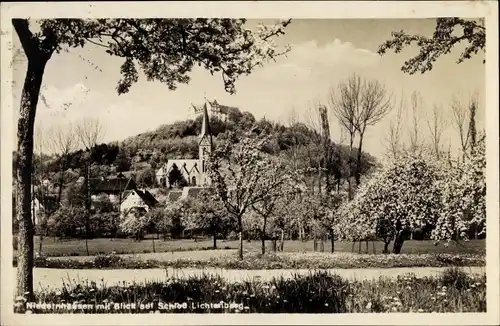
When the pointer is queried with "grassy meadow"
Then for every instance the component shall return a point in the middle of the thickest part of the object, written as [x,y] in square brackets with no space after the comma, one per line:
[318,292]
[102,246]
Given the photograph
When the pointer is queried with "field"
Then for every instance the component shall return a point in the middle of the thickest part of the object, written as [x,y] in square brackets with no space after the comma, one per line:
[76,247]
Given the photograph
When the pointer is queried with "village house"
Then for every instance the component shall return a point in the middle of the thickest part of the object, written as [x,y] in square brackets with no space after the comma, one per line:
[193,171]
[136,198]
[114,187]
[123,193]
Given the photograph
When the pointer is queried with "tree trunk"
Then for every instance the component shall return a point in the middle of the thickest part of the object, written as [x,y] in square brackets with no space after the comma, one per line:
[154,249]
[357,173]
[386,247]
[366,246]
[263,236]
[215,239]
[241,244]
[332,239]
[40,245]
[349,173]
[25,129]
[282,244]
[398,242]
[61,181]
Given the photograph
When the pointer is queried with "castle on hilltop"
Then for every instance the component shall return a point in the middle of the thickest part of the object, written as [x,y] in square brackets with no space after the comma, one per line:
[193,172]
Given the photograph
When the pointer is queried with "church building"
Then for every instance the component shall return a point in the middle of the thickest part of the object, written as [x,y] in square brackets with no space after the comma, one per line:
[193,171]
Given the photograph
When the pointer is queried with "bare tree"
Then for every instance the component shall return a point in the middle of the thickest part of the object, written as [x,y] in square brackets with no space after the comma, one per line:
[89,132]
[395,131]
[62,142]
[464,121]
[437,124]
[415,142]
[358,104]
[345,102]
[375,105]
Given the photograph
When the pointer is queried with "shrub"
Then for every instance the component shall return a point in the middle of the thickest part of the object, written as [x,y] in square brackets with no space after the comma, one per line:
[106,261]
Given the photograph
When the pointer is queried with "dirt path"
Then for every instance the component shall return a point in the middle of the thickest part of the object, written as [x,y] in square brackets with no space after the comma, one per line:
[53,278]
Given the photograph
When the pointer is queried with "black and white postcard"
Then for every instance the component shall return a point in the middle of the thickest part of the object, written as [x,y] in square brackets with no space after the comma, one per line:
[250,163]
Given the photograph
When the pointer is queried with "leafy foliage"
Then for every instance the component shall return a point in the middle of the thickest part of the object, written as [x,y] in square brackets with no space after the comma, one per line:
[448,33]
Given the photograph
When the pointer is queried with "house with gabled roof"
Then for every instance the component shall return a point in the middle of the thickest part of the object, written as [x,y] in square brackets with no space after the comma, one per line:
[193,171]
[114,187]
[137,199]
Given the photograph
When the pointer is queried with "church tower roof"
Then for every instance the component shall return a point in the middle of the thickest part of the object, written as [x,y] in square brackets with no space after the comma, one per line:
[205,127]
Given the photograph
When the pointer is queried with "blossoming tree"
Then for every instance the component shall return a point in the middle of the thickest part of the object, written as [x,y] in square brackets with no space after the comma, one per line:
[238,170]
[419,192]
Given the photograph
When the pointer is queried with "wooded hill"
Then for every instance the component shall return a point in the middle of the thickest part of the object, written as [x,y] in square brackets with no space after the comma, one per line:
[143,154]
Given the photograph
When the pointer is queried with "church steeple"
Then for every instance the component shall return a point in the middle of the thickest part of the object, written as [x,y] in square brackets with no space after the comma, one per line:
[205,147]
[206,133]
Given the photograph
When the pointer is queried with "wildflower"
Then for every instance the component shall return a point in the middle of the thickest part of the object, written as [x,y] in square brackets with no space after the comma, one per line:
[20,298]
[473,285]
[468,290]
[408,287]
[445,300]
[420,310]
[395,299]
[217,291]
[478,284]
[58,293]
[93,290]
[394,309]
[398,292]
[443,288]
[246,307]
[326,304]
[369,305]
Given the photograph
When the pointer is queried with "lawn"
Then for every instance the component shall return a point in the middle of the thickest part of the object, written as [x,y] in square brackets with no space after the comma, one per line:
[75,247]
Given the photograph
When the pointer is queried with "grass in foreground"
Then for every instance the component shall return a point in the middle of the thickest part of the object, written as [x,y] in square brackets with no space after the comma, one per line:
[254,261]
[319,292]
[103,246]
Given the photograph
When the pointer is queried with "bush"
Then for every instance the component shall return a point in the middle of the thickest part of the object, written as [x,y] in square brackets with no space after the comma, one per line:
[106,261]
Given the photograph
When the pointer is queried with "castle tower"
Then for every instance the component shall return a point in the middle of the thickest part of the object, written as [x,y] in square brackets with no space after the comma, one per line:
[205,146]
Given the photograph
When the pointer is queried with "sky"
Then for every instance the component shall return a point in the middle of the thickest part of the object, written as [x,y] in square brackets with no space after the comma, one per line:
[81,83]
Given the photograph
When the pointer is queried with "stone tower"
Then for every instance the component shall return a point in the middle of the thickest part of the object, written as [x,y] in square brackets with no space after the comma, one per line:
[205,147]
